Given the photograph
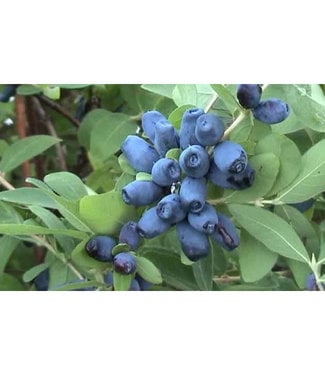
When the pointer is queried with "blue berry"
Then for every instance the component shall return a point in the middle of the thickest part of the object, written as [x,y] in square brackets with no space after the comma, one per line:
[144,284]
[187,129]
[303,206]
[195,161]
[141,193]
[8,92]
[193,192]
[166,171]
[151,225]
[139,153]
[271,111]
[100,248]
[129,234]
[149,121]
[166,137]
[249,95]
[311,282]
[170,209]
[194,244]
[209,129]
[205,221]
[108,278]
[41,281]
[135,286]
[124,263]
[226,235]
[230,157]
[227,180]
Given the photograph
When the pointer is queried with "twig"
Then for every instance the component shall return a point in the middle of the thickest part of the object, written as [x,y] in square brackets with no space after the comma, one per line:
[58,108]
[5,183]
[49,125]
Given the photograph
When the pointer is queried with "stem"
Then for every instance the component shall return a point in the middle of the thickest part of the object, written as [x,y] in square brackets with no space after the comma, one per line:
[211,102]
[5,183]
[58,108]
[238,120]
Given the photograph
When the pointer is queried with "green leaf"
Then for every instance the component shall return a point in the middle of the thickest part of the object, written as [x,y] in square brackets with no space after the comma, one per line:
[88,123]
[266,170]
[58,274]
[301,225]
[175,118]
[120,248]
[73,86]
[311,179]
[173,153]
[125,166]
[66,184]
[143,176]
[35,271]
[25,149]
[80,257]
[52,221]
[24,229]
[75,286]
[8,214]
[8,245]
[28,196]
[203,272]
[255,259]
[106,213]
[28,90]
[122,181]
[268,228]
[289,155]
[38,183]
[163,90]
[10,283]
[121,282]
[300,272]
[226,96]
[147,270]
[52,92]
[197,95]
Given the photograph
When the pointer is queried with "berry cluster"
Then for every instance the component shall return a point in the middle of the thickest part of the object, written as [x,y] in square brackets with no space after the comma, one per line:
[270,111]
[177,188]
[101,248]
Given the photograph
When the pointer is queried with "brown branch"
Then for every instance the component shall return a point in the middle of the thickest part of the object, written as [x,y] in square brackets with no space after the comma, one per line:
[21,129]
[44,118]
[58,108]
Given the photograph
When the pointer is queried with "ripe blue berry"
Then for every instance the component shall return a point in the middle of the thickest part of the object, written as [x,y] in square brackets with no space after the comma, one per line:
[100,248]
[311,282]
[193,193]
[166,137]
[141,193]
[187,129]
[165,171]
[124,263]
[139,153]
[303,206]
[209,129]
[8,92]
[135,286]
[225,234]
[194,244]
[195,161]
[151,225]
[144,284]
[170,209]
[204,221]
[149,121]
[227,180]
[271,111]
[41,281]
[249,95]
[129,234]
[230,157]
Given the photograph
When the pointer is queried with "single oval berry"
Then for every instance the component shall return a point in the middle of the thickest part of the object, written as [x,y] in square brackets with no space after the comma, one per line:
[193,192]
[271,111]
[149,121]
[209,129]
[205,221]
[249,95]
[129,234]
[100,248]
[195,161]
[141,193]
[230,157]
[187,129]
[124,263]
[166,171]
[170,209]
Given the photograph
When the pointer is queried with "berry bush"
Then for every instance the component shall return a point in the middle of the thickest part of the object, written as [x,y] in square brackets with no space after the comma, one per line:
[162,187]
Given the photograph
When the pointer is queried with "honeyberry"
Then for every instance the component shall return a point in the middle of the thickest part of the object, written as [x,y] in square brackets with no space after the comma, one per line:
[166,137]
[194,161]
[149,121]
[41,281]
[230,157]
[129,234]
[151,225]
[100,248]
[166,171]
[209,129]
[249,95]
[8,92]
[170,209]
[226,235]
[271,111]
[205,221]
[141,193]
[124,263]
[187,129]
[139,153]
[193,192]
[194,244]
